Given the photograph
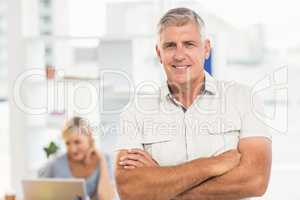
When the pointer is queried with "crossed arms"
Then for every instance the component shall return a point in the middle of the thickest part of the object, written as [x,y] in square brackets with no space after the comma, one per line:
[230,176]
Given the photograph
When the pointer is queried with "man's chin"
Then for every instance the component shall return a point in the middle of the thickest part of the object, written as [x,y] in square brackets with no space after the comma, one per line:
[179,82]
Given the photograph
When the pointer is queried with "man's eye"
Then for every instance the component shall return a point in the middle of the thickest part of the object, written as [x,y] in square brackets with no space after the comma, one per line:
[169,46]
[189,45]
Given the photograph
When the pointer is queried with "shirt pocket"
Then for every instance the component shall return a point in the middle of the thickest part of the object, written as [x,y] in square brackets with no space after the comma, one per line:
[224,140]
[164,150]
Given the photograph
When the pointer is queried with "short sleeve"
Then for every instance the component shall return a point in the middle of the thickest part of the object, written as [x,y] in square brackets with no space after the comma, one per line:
[129,134]
[252,115]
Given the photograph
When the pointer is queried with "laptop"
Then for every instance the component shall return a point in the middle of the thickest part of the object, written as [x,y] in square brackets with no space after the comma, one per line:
[54,189]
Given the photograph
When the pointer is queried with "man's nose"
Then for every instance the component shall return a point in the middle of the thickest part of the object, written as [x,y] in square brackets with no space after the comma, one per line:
[179,54]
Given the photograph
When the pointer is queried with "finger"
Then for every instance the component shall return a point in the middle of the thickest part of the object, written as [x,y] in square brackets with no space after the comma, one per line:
[134,157]
[144,153]
[141,152]
[131,163]
[138,158]
[129,167]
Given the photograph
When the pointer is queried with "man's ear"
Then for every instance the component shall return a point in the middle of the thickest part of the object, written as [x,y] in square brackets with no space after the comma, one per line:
[207,48]
[158,54]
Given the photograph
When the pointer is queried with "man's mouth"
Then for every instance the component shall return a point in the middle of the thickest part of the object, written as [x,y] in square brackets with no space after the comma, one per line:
[182,67]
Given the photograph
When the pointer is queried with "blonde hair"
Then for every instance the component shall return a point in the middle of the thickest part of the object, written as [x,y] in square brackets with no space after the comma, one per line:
[77,125]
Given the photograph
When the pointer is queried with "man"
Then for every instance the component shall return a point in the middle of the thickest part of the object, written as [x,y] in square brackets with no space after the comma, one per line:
[199,138]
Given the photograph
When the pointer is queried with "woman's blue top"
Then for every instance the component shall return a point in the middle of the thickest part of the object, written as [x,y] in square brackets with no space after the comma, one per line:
[59,168]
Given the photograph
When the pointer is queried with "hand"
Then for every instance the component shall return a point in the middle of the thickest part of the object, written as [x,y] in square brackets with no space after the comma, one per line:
[137,158]
[90,155]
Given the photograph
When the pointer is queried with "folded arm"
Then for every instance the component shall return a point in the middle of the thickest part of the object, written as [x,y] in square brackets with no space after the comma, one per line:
[249,179]
[164,183]
[105,188]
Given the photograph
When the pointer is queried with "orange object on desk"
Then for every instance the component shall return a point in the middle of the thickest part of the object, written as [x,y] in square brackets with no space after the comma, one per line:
[10,197]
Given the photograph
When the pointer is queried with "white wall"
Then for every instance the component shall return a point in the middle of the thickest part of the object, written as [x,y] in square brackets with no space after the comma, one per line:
[4,148]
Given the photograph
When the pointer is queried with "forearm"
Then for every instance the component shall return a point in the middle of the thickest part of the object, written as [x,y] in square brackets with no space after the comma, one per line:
[105,187]
[239,183]
[249,179]
[106,192]
[163,183]
[229,186]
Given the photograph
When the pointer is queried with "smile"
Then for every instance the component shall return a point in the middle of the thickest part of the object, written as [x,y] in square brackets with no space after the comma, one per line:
[181,66]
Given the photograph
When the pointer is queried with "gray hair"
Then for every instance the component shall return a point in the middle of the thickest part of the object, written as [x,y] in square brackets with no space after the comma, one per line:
[179,17]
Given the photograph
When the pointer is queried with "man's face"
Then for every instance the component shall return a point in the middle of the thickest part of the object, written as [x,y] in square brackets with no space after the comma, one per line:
[182,53]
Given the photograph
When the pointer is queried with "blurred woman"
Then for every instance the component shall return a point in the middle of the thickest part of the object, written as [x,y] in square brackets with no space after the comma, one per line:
[82,160]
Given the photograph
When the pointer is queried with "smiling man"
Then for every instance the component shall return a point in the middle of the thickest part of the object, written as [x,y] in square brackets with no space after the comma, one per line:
[199,138]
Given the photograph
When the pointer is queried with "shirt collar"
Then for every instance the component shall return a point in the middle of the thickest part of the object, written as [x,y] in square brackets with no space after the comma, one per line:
[210,86]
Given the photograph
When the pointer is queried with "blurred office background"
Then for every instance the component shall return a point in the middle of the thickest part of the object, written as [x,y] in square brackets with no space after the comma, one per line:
[254,42]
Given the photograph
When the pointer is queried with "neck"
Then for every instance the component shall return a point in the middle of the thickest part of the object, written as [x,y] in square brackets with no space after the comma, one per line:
[187,93]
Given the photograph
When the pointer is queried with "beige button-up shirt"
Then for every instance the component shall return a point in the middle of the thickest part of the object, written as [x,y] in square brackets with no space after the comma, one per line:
[219,117]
